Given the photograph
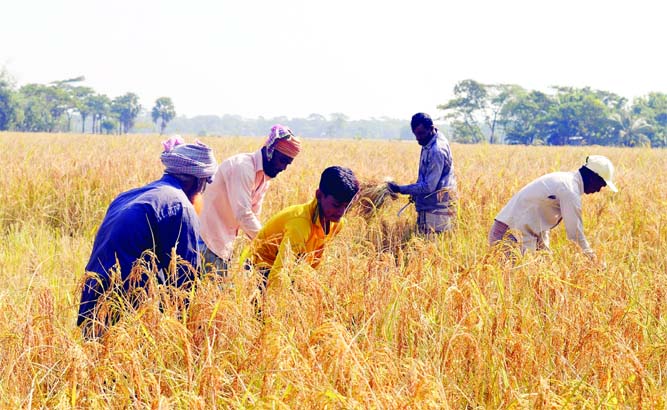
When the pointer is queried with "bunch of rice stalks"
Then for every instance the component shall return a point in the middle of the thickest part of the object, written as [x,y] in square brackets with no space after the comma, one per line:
[373,196]
[389,234]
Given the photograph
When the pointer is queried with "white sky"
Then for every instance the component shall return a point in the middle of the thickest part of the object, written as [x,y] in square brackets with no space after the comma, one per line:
[364,58]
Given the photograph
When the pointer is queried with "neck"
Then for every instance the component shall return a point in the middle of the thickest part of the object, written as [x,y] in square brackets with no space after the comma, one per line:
[189,184]
[323,221]
[430,139]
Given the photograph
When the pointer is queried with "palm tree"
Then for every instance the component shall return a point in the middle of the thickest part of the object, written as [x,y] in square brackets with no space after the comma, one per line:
[126,108]
[163,111]
[99,106]
[82,96]
[631,130]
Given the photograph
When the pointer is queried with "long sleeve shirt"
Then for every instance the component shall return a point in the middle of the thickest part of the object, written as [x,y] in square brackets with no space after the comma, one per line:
[436,183]
[295,230]
[542,204]
[157,217]
[233,201]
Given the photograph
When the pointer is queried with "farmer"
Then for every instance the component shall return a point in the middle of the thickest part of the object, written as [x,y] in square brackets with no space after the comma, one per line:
[159,218]
[435,188]
[234,199]
[542,204]
[303,230]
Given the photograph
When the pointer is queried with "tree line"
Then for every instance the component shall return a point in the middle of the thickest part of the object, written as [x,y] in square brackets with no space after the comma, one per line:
[335,125]
[505,113]
[59,105]
[493,113]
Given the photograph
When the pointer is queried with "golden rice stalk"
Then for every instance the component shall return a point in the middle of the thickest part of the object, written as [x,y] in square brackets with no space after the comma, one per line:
[373,196]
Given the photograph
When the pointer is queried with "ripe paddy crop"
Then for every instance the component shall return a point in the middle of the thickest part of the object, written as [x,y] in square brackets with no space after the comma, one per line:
[389,319]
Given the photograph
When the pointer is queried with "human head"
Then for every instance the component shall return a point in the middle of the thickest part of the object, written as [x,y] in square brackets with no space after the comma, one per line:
[597,172]
[422,127]
[280,149]
[192,164]
[338,186]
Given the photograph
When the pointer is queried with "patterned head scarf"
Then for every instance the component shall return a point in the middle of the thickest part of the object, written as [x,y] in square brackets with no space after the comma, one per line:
[282,139]
[190,159]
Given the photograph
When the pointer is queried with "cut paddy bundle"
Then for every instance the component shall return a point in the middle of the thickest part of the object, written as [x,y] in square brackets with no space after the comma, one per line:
[373,196]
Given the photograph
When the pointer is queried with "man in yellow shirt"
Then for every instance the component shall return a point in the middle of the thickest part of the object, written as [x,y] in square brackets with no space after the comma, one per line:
[303,230]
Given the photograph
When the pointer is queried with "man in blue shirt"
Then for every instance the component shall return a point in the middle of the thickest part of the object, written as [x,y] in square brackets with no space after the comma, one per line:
[435,188]
[141,232]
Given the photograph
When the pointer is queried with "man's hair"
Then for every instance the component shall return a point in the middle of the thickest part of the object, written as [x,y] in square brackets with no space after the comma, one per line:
[421,118]
[340,183]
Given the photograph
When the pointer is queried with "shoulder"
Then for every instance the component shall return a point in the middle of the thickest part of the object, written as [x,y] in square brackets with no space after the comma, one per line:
[299,223]
[240,161]
[297,217]
[563,183]
[238,166]
[168,200]
[442,142]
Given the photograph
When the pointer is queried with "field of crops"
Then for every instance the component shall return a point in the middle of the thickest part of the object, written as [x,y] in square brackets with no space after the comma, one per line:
[389,319]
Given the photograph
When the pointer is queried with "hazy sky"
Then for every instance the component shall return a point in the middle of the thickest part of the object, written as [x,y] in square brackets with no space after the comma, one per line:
[363,58]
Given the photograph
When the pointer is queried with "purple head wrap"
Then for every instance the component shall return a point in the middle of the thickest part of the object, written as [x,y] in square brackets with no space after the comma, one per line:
[190,159]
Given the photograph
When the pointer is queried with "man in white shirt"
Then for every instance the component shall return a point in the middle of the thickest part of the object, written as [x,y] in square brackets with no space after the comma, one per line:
[542,204]
[234,199]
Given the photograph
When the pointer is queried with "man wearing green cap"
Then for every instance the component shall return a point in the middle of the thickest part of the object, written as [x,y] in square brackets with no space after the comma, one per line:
[542,204]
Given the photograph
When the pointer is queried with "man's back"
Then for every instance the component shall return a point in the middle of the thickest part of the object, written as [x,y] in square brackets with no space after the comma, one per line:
[157,217]
[154,217]
[540,206]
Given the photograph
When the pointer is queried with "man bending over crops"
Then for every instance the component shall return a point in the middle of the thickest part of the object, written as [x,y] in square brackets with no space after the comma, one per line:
[542,204]
[303,230]
[435,188]
[234,199]
[143,230]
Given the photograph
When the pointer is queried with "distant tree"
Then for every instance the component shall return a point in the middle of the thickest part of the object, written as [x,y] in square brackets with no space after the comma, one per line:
[317,118]
[498,95]
[465,110]
[67,97]
[234,125]
[108,126]
[631,130]
[82,97]
[99,106]
[127,108]
[405,133]
[163,111]
[38,108]
[653,108]
[580,116]
[337,126]
[314,125]
[524,117]
[7,107]
[476,108]
[8,102]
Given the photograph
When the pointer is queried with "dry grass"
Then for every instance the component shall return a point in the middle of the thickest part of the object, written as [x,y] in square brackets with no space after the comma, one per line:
[388,321]
[372,197]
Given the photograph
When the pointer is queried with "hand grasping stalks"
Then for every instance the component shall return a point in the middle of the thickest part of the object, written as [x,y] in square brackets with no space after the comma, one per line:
[373,196]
